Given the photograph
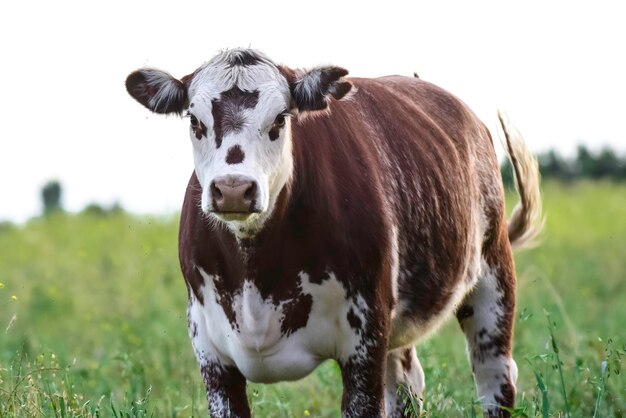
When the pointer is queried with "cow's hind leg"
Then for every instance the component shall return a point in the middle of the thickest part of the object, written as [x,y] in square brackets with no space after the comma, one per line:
[486,317]
[404,382]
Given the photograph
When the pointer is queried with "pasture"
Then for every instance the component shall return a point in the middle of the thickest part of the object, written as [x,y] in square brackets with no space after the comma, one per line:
[93,322]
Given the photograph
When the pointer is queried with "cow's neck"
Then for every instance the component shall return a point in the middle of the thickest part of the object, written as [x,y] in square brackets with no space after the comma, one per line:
[254,247]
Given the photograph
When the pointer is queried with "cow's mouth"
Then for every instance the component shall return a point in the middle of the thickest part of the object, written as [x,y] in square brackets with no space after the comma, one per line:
[233,216]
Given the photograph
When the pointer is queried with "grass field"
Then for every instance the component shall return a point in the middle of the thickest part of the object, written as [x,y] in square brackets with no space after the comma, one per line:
[92,323]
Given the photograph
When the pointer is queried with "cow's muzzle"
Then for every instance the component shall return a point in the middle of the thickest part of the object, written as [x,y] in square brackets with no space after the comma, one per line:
[234,194]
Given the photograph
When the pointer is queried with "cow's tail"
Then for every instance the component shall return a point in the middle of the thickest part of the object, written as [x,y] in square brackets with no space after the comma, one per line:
[526,221]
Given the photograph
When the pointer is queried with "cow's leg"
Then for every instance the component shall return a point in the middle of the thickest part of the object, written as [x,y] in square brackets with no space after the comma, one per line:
[225,391]
[404,376]
[363,388]
[486,317]
[363,361]
[225,385]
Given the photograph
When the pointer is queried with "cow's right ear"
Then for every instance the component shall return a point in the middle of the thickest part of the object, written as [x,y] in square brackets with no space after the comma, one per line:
[311,90]
[157,90]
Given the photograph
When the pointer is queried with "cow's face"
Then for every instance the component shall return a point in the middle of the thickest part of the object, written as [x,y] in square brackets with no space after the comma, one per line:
[239,106]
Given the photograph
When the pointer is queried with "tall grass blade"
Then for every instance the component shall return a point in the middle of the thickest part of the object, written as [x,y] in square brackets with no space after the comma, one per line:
[114,411]
[54,408]
[545,401]
[63,413]
[603,376]
[555,349]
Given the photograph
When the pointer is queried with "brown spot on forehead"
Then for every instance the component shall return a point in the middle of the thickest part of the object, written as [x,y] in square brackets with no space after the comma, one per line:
[235,155]
[228,111]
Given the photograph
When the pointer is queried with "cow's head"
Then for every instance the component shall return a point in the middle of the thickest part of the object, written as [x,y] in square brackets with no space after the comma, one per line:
[239,106]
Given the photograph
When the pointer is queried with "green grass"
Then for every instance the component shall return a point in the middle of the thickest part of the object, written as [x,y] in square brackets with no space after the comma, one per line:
[98,326]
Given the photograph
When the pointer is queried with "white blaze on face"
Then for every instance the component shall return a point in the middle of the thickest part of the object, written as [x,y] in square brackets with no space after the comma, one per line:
[266,161]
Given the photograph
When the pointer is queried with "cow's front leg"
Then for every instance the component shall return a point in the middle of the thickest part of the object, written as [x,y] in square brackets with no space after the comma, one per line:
[363,365]
[225,385]
[363,388]
[225,391]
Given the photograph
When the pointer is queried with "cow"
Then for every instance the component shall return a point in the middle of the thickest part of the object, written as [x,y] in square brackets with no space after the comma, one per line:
[332,217]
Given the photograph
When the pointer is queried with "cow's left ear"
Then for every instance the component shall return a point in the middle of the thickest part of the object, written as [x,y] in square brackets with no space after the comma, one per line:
[157,90]
[310,90]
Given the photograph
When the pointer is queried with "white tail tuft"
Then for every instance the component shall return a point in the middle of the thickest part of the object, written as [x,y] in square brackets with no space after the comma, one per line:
[526,222]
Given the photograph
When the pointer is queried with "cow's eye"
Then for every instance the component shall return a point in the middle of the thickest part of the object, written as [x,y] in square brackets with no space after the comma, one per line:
[193,120]
[279,122]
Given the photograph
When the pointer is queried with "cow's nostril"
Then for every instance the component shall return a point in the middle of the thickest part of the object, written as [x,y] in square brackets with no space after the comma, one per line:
[216,193]
[250,193]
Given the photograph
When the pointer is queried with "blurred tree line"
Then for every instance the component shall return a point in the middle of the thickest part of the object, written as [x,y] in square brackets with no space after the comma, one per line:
[605,164]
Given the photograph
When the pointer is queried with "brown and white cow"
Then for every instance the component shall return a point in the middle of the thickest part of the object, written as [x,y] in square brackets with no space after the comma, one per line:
[325,225]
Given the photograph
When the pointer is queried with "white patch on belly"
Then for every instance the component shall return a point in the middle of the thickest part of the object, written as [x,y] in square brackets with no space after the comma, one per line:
[256,345]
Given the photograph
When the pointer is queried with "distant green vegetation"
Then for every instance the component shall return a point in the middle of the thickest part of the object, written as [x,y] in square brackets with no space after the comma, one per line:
[605,164]
[92,322]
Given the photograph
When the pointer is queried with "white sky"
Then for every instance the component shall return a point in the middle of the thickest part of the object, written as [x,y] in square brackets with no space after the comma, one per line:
[556,67]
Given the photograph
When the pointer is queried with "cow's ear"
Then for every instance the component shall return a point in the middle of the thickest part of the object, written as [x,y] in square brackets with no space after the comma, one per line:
[157,90]
[310,90]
